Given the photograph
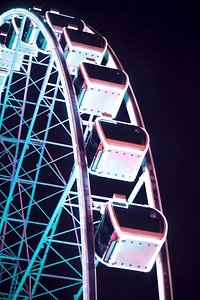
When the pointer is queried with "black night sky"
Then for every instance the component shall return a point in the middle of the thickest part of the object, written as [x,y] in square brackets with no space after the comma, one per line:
[158,44]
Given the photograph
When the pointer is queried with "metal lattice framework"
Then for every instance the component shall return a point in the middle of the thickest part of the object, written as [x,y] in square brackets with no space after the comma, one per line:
[47,203]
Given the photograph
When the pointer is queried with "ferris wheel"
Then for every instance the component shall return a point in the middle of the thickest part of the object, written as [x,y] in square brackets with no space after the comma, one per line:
[78,187]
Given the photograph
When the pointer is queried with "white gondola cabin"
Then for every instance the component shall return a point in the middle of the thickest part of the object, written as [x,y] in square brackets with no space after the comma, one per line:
[100,90]
[81,46]
[58,21]
[30,32]
[130,237]
[116,150]
[12,33]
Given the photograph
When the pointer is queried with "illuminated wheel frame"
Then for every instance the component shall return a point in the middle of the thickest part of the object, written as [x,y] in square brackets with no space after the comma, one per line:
[46,202]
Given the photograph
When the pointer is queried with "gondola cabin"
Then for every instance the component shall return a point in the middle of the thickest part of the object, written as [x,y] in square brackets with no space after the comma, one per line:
[81,46]
[130,237]
[116,150]
[30,32]
[58,21]
[100,90]
[13,32]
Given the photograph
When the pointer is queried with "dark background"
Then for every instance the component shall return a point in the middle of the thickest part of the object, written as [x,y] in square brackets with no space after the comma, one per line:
[158,45]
